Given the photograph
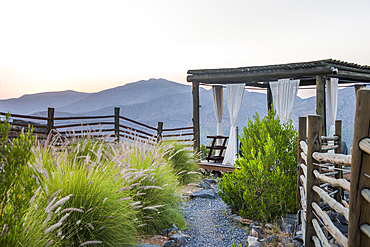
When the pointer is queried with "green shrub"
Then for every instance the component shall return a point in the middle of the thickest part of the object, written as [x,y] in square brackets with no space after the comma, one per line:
[183,161]
[264,187]
[16,188]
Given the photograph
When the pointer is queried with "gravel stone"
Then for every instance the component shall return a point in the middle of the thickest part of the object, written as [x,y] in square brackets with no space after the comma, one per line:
[208,226]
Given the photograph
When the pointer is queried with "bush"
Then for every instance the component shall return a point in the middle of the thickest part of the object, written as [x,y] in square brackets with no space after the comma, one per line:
[265,185]
[16,188]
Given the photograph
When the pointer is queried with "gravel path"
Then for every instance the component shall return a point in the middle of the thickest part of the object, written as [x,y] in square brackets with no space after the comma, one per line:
[208,226]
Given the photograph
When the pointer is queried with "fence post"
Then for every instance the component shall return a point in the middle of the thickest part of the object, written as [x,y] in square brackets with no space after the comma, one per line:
[359,210]
[302,134]
[159,131]
[50,123]
[313,145]
[116,123]
[338,132]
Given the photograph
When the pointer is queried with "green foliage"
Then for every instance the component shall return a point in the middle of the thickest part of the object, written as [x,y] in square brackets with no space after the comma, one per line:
[183,162]
[16,188]
[264,187]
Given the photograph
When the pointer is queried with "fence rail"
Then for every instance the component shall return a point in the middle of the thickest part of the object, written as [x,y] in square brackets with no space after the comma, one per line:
[315,180]
[118,126]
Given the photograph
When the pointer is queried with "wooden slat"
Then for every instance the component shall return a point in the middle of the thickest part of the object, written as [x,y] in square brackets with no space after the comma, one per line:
[334,231]
[304,169]
[68,132]
[138,123]
[177,129]
[133,130]
[81,124]
[332,203]
[303,146]
[304,157]
[330,138]
[303,198]
[304,183]
[181,134]
[326,148]
[337,159]
[24,116]
[303,220]
[26,125]
[365,145]
[82,117]
[366,194]
[365,229]
[133,135]
[332,181]
[316,241]
[320,235]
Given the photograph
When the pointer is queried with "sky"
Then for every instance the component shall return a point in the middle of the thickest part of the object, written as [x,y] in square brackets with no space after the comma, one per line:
[90,46]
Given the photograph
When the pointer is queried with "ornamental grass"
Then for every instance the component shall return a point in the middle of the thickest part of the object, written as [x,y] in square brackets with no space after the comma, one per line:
[94,192]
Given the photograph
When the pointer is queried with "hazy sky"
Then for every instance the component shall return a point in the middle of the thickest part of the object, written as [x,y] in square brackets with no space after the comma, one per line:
[93,45]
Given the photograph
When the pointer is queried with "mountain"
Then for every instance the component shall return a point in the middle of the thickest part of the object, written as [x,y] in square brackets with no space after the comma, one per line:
[132,93]
[160,100]
[31,103]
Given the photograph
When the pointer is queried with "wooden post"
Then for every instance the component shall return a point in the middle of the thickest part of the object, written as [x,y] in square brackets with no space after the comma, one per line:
[195,91]
[313,145]
[321,101]
[269,98]
[159,131]
[302,136]
[116,123]
[50,123]
[358,87]
[359,209]
[338,132]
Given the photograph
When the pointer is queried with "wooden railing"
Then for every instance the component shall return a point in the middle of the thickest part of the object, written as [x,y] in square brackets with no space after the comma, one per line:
[314,179]
[117,126]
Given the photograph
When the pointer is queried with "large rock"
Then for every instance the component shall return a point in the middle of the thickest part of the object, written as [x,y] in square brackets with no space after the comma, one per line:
[168,231]
[179,238]
[272,239]
[170,243]
[210,193]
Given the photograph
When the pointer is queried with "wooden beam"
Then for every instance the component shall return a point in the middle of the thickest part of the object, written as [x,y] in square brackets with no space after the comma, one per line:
[353,75]
[320,101]
[358,87]
[261,75]
[359,209]
[269,98]
[314,145]
[338,132]
[195,91]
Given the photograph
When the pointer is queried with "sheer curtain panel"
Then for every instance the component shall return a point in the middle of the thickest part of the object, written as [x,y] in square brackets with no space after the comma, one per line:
[235,94]
[332,96]
[218,100]
[284,94]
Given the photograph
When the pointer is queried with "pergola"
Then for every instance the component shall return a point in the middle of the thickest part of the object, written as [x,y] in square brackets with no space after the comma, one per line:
[314,73]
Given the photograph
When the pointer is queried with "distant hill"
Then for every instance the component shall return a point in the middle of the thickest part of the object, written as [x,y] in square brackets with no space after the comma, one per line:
[31,103]
[157,100]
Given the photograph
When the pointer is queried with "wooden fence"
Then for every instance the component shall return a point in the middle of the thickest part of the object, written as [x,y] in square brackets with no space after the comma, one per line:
[118,126]
[315,175]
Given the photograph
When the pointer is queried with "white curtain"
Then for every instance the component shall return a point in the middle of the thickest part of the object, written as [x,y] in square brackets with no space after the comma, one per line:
[235,94]
[284,94]
[332,96]
[218,100]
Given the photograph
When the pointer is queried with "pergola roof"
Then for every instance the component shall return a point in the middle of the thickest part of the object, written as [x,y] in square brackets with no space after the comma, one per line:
[259,76]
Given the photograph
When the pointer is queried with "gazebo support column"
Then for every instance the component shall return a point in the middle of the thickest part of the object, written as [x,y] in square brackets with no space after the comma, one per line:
[320,101]
[195,91]
[269,98]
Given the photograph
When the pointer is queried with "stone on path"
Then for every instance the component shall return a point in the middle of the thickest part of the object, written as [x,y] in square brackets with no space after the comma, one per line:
[208,193]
